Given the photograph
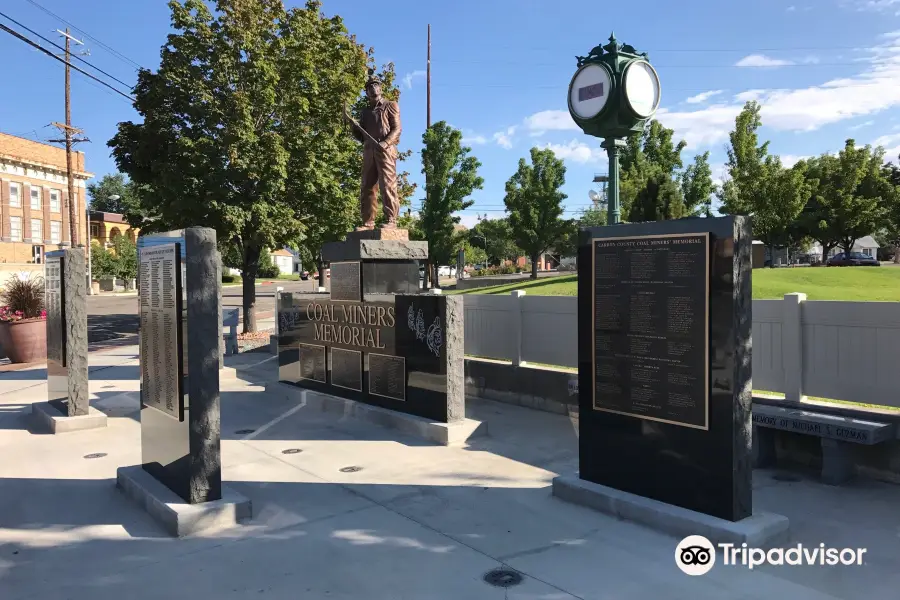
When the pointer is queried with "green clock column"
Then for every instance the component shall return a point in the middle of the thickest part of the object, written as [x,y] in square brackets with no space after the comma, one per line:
[613,94]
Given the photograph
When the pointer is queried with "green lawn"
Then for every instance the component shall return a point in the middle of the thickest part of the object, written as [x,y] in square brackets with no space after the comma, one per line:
[818,283]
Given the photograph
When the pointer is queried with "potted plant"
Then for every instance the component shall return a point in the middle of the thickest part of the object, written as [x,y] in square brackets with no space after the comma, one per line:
[23,320]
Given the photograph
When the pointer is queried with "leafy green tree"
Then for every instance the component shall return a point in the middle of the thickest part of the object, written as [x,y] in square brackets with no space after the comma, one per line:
[242,128]
[852,196]
[534,202]
[759,185]
[697,187]
[475,255]
[659,200]
[124,257]
[647,154]
[451,176]
[496,237]
[101,194]
[102,263]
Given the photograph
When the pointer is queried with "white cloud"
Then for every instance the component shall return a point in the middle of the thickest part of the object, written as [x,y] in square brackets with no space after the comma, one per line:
[891,145]
[699,98]
[470,219]
[873,90]
[789,160]
[761,60]
[549,120]
[875,5]
[409,77]
[791,8]
[860,126]
[576,151]
[504,138]
[474,139]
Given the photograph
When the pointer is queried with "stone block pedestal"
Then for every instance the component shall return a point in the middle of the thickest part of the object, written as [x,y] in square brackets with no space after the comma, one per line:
[760,530]
[377,261]
[176,516]
[51,418]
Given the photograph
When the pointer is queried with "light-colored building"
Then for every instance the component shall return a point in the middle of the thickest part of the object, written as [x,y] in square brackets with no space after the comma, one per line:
[34,199]
[106,227]
[865,245]
[284,260]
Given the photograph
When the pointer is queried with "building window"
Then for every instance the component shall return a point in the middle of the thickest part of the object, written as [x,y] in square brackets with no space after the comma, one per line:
[55,231]
[54,201]
[15,195]
[95,231]
[37,230]
[35,198]
[15,229]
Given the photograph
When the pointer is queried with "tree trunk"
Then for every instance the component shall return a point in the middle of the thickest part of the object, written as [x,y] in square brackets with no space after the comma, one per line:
[534,265]
[248,274]
[897,255]
[436,276]
[321,267]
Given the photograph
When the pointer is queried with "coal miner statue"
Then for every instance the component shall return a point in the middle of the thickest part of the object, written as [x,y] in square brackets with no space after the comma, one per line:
[379,131]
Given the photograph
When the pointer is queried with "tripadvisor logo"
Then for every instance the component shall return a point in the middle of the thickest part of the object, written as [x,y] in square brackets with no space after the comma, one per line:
[696,555]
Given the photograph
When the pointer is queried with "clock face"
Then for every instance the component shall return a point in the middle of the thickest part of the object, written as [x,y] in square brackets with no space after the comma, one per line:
[589,91]
[642,88]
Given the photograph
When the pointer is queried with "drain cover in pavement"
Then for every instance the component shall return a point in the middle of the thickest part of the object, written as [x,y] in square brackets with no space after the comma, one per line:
[244,431]
[292,451]
[351,469]
[95,455]
[503,578]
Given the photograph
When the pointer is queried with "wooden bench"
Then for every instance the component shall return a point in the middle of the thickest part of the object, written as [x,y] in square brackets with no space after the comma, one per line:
[838,436]
[230,318]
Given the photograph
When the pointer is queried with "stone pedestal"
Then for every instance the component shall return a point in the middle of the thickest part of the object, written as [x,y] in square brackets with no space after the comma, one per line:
[377,261]
[67,344]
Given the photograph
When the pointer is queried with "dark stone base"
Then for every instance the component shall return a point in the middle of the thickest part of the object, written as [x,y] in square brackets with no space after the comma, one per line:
[356,249]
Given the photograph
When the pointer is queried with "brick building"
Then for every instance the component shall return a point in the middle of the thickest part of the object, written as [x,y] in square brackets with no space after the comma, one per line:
[34,209]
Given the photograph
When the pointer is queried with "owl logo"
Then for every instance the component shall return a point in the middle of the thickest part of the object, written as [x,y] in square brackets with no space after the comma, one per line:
[420,326]
[411,318]
[435,337]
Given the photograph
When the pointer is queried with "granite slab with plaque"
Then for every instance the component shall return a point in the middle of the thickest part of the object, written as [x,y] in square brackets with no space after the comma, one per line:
[664,361]
[179,357]
[375,353]
[346,281]
[65,300]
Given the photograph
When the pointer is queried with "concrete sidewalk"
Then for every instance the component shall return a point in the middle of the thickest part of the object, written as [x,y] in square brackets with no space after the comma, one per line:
[416,521]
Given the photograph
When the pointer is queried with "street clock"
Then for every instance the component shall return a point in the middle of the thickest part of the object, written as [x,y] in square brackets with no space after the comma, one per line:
[614,92]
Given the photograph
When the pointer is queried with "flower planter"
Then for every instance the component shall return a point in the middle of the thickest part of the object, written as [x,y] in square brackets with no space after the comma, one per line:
[24,341]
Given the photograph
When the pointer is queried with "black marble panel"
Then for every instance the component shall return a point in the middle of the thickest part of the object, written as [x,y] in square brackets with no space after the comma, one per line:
[674,460]
[346,281]
[390,277]
[311,362]
[346,369]
[397,348]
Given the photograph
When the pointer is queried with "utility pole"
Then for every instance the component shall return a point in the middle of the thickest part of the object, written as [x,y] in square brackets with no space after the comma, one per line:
[69,132]
[428,79]
[428,269]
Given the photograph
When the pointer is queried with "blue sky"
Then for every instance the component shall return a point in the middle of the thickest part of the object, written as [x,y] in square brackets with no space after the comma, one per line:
[825,70]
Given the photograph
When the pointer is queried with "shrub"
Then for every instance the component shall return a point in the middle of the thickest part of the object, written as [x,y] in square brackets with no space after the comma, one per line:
[267,268]
[22,298]
[227,278]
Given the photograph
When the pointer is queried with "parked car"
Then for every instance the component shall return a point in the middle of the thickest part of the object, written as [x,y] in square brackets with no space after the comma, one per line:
[304,275]
[854,259]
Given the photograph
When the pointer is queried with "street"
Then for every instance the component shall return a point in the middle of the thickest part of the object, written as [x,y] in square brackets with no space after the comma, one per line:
[112,317]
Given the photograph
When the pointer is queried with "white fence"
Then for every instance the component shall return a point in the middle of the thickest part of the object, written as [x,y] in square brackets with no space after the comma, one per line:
[840,350]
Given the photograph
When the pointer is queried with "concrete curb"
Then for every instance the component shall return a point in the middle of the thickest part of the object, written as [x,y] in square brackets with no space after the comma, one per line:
[51,419]
[177,517]
[762,530]
[445,434]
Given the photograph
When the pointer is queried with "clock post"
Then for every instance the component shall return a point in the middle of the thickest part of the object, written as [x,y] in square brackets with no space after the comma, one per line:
[613,94]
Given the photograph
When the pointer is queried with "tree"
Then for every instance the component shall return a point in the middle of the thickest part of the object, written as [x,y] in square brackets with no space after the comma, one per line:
[474,255]
[101,194]
[242,128]
[124,257]
[534,202]
[102,262]
[852,196]
[451,176]
[759,185]
[647,154]
[659,200]
[495,236]
[697,187]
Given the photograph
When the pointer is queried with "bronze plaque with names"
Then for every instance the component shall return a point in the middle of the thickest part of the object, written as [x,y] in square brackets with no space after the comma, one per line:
[346,369]
[387,376]
[345,279]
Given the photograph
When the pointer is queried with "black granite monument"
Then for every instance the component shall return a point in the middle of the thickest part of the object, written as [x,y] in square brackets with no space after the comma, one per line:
[664,313]
[375,339]
[179,350]
[67,345]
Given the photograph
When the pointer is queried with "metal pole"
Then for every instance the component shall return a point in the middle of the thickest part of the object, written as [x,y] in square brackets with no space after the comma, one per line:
[428,79]
[87,248]
[612,147]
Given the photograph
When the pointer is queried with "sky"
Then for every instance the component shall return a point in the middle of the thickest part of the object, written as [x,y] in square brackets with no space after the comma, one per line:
[824,71]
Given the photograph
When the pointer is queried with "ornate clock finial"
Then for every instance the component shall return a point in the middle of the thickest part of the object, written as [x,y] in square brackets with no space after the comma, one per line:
[613,46]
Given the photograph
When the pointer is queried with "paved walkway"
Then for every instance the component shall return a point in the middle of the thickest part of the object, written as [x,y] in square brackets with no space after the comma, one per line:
[416,522]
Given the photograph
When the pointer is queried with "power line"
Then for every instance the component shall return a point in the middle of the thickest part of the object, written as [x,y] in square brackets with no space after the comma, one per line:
[18,35]
[86,34]
[32,31]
